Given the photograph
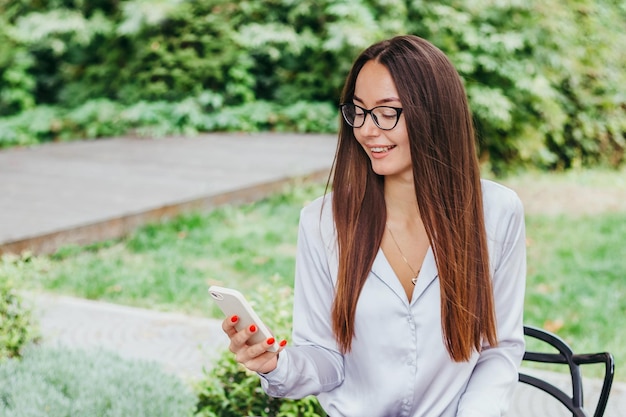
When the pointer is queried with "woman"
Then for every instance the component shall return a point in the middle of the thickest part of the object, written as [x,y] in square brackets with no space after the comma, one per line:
[410,276]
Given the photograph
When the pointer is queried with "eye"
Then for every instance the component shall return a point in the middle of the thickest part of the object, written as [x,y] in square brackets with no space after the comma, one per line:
[387,113]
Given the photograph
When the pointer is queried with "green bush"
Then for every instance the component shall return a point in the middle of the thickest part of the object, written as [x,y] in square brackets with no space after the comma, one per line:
[104,118]
[229,390]
[16,324]
[544,82]
[58,383]
[545,78]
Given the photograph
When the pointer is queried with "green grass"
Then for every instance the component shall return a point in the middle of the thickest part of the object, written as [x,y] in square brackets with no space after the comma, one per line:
[169,265]
[576,263]
[576,277]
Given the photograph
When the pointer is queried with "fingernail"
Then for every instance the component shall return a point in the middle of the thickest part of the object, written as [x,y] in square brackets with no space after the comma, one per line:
[282,343]
[252,328]
[270,341]
[234,319]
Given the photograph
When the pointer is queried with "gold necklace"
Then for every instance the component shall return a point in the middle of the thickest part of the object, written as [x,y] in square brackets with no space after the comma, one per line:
[415,274]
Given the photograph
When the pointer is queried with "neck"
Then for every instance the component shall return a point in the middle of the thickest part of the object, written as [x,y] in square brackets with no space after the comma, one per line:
[401,201]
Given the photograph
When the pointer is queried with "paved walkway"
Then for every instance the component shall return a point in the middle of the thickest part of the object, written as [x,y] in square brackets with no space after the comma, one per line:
[182,345]
[81,192]
[87,191]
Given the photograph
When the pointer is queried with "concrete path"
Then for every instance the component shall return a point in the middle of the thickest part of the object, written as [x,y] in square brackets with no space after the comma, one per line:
[83,192]
[182,345]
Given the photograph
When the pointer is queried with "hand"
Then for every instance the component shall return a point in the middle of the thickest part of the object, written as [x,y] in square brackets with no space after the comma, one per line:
[254,357]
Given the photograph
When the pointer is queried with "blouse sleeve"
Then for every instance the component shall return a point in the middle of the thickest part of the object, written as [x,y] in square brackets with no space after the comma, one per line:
[495,376]
[313,364]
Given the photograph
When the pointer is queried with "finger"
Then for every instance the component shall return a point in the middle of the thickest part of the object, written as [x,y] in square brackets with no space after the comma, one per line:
[228,325]
[266,361]
[248,353]
[238,341]
[257,357]
[261,350]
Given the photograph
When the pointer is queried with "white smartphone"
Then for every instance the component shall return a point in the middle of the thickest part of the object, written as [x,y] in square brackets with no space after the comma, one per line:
[232,302]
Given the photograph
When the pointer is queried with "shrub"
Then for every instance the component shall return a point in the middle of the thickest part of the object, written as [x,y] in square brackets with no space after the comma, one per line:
[541,76]
[232,391]
[229,390]
[105,118]
[58,383]
[16,324]
[545,79]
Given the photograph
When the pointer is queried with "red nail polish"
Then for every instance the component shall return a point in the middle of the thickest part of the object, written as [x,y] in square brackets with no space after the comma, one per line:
[252,328]
[270,341]
[282,343]
[234,319]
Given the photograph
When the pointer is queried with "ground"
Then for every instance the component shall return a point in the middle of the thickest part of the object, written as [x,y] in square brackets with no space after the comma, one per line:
[582,193]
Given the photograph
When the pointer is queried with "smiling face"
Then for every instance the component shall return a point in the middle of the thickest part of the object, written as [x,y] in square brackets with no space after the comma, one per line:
[388,150]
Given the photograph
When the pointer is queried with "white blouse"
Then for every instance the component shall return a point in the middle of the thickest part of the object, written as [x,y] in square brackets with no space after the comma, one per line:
[399,365]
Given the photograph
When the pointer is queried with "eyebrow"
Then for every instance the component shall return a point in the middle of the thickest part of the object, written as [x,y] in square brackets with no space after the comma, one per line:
[382,101]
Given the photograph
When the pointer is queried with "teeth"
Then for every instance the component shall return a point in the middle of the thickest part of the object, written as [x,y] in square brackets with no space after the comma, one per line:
[382,148]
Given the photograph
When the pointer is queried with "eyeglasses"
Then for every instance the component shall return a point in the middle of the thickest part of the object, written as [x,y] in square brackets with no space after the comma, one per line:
[384,117]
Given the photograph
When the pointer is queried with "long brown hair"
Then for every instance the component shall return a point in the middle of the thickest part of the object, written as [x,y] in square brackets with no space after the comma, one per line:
[447,183]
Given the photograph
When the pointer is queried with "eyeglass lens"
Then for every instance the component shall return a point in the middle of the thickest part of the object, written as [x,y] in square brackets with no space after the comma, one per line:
[384,117]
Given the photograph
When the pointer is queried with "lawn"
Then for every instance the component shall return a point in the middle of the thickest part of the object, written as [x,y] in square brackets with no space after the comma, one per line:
[576,257]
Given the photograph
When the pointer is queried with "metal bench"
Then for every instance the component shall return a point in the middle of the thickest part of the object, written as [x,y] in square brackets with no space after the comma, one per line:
[566,356]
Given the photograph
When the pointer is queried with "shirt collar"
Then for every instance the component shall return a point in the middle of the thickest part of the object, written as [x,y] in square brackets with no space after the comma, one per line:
[382,270]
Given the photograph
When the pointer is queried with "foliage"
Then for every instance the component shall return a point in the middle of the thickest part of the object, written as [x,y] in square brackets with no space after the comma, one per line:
[545,78]
[16,323]
[229,390]
[105,118]
[589,75]
[58,382]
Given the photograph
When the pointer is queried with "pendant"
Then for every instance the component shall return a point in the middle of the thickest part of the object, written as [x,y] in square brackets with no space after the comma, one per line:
[414,280]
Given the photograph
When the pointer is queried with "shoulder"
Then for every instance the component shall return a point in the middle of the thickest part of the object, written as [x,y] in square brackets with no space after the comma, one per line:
[317,204]
[500,200]
[316,220]
[318,213]
[504,216]
[317,209]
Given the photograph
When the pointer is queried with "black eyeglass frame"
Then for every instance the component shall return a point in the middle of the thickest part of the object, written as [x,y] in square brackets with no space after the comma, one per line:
[398,110]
